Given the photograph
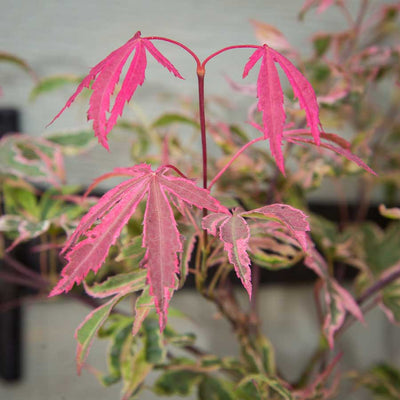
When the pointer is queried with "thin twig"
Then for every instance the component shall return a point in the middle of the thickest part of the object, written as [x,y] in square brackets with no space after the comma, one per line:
[23,269]
[20,280]
[379,285]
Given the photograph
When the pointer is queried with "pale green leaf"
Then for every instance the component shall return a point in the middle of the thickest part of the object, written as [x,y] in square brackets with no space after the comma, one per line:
[87,330]
[53,82]
[132,281]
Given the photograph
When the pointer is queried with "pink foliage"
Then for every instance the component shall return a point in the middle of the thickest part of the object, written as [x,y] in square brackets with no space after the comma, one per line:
[234,232]
[101,226]
[343,148]
[106,75]
[270,98]
[294,220]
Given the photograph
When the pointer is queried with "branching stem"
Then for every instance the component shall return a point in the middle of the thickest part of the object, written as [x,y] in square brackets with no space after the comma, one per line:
[192,53]
[243,46]
[240,151]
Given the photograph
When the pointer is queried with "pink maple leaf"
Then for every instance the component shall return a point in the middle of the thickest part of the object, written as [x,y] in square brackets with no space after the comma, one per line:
[103,223]
[234,232]
[292,218]
[106,75]
[342,146]
[270,98]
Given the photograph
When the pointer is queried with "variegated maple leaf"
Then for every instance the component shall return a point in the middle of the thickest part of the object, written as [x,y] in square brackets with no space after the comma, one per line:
[101,226]
[331,142]
[270,98]
[337,299]
[106,75]
[234,232]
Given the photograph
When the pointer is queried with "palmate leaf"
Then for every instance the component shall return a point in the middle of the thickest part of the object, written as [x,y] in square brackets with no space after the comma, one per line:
[331,142]
[106,75]
[270,98]
[234,232]
[23,228]
[272,247]
[131,281]
[101,226]
[32,158]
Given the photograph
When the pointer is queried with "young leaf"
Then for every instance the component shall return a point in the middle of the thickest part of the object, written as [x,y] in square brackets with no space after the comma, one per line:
[132,281]
[294,219]
[273,248]
[106,75]
[32,158]
[87,330]
[234,233]
[24,228]
[297,136]
[270,101]
[103,223]
[270,97]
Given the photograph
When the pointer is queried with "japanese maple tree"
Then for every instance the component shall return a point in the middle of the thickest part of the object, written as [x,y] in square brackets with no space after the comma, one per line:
[212,219]
[160,234]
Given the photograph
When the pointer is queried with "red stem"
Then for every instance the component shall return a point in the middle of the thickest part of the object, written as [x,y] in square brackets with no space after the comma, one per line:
[200,75]
[192,53]
[242,46]
[23,270]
